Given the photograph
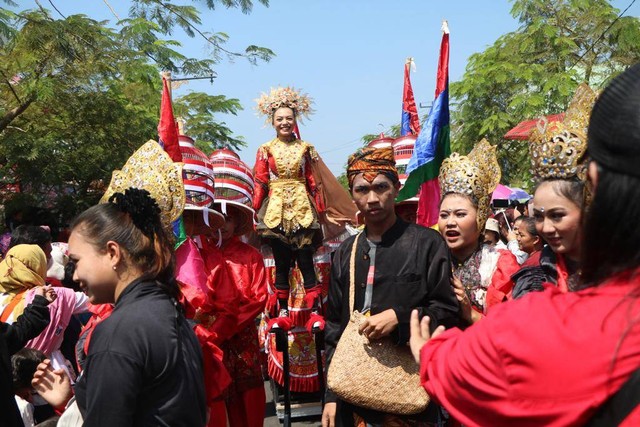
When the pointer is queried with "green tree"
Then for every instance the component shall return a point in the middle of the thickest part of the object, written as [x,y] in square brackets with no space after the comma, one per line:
[78,97]
[534,71]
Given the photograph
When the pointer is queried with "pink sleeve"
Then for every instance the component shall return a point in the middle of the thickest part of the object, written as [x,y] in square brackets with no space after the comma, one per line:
[464,372]
[60,311]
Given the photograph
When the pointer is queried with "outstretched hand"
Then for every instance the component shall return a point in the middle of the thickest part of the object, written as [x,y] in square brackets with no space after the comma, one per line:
[52,384]
[46,291]
[420,334]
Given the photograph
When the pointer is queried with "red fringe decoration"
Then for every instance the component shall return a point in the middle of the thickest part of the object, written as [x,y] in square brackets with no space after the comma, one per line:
[297,385]
[284,323]
[313,319]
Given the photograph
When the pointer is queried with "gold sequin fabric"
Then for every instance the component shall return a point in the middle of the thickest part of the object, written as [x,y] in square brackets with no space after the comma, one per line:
[150,168]
[289,207]
[476,175]
[557,149]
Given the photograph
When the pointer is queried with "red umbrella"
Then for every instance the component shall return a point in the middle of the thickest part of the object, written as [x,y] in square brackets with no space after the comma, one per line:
[523,130]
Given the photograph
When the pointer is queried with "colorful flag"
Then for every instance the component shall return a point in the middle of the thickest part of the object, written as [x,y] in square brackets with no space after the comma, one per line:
[432,146]
[167,129]
[410,124]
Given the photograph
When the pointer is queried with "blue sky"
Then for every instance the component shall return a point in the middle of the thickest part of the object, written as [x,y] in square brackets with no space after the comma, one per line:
[348,55]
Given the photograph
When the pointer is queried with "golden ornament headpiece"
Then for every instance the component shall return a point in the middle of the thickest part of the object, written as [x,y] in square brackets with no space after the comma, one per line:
[475,175]
[280,97]
[557,149]
[150,168]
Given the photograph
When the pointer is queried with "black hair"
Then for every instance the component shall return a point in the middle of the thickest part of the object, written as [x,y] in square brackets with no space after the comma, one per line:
[24,364]
[571,189]
[529,224]
[145,242]
[612,242]
[29,235]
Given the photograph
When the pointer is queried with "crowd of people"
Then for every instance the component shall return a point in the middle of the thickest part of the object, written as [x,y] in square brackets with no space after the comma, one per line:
[525,315]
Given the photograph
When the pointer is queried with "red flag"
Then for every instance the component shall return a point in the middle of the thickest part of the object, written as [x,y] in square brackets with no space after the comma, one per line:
[410,124]
[167,128]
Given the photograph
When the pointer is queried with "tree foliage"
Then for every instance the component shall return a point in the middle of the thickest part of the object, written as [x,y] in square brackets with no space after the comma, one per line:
[534,71]
[77,96]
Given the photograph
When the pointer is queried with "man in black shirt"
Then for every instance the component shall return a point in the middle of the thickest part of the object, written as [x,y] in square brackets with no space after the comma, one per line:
[399,267]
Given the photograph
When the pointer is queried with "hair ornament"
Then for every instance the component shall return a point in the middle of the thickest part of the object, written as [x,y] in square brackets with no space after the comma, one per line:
[557,149]
[281,97]
[475,175]
[143,209]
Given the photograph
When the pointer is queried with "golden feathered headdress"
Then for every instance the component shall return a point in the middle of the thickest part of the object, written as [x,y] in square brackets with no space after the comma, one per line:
[150,168]
[284,97]
[557,149]
[475,175]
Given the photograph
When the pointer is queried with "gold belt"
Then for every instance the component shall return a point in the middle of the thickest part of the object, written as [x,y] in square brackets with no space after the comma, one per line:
[284,181]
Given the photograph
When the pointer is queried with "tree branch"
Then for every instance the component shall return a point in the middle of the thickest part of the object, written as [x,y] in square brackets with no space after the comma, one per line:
[11,115]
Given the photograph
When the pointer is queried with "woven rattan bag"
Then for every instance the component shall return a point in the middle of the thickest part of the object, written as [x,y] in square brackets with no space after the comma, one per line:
[374,374]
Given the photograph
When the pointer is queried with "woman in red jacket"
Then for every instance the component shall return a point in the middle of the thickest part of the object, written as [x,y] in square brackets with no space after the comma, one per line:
[554,358]
[245,397]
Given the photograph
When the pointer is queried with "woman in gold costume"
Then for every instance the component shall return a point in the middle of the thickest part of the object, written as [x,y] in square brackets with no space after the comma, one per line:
[287,197]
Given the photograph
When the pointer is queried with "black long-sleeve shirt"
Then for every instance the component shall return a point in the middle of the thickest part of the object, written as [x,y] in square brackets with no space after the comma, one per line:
[144,366]
[28,325]
[412,271]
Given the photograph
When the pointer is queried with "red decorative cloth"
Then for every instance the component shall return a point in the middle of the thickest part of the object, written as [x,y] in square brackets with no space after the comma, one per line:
[501,284]
[549,359]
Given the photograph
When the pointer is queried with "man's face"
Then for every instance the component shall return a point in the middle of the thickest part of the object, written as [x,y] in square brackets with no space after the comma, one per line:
[376,199]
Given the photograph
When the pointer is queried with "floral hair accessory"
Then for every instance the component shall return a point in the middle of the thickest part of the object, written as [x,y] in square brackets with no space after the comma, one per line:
[281,97]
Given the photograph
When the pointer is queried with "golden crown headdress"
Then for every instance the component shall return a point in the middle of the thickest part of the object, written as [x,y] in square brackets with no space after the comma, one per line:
[557,149]
[476,175]
[150,168]
[284,97]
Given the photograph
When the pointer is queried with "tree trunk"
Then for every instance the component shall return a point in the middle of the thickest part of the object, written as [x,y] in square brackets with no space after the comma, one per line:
[11,115]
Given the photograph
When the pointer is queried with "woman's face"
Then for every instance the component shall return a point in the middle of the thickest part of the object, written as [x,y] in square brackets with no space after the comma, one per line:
[457,224]
[557,220]
[93,269]
[228,230]
[284,122]
[526,240]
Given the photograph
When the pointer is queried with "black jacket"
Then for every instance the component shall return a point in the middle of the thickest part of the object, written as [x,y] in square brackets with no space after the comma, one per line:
[144,366]
[413,270]
[12,338]
[534,272]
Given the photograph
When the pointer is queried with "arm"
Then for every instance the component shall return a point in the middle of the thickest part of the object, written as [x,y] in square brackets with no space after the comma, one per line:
[225,298]
[464,371]
[440,303]
[81,303]
[256,295]
[333,319]
[260,178]
[28,325]
[113,381]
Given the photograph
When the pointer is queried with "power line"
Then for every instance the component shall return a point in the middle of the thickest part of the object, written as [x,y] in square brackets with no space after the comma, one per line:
[602,35]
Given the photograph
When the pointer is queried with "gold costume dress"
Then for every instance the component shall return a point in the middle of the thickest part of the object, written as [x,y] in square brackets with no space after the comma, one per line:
[286,193]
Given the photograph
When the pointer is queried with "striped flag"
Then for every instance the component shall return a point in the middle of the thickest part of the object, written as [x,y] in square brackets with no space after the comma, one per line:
[432,146]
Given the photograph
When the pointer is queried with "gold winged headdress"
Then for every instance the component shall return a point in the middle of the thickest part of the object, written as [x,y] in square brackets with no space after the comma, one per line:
[557,149]
[475,175]
[150,168]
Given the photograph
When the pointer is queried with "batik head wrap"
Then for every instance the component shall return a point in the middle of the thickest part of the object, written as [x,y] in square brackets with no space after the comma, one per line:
[372,162]
[24,267]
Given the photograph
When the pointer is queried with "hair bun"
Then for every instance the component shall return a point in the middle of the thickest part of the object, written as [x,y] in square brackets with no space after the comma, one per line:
[143,209]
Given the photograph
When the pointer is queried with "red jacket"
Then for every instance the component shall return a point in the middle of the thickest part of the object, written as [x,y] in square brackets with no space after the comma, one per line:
[549,359]
[246,269]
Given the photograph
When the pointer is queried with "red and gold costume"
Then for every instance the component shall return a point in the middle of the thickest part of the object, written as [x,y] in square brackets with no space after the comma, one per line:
[286,195]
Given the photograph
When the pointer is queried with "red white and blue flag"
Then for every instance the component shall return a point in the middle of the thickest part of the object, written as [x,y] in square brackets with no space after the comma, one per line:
[432,146]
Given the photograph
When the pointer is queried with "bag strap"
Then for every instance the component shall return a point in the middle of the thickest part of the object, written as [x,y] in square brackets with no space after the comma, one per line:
[352,273]
[620,405]
[12,304]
